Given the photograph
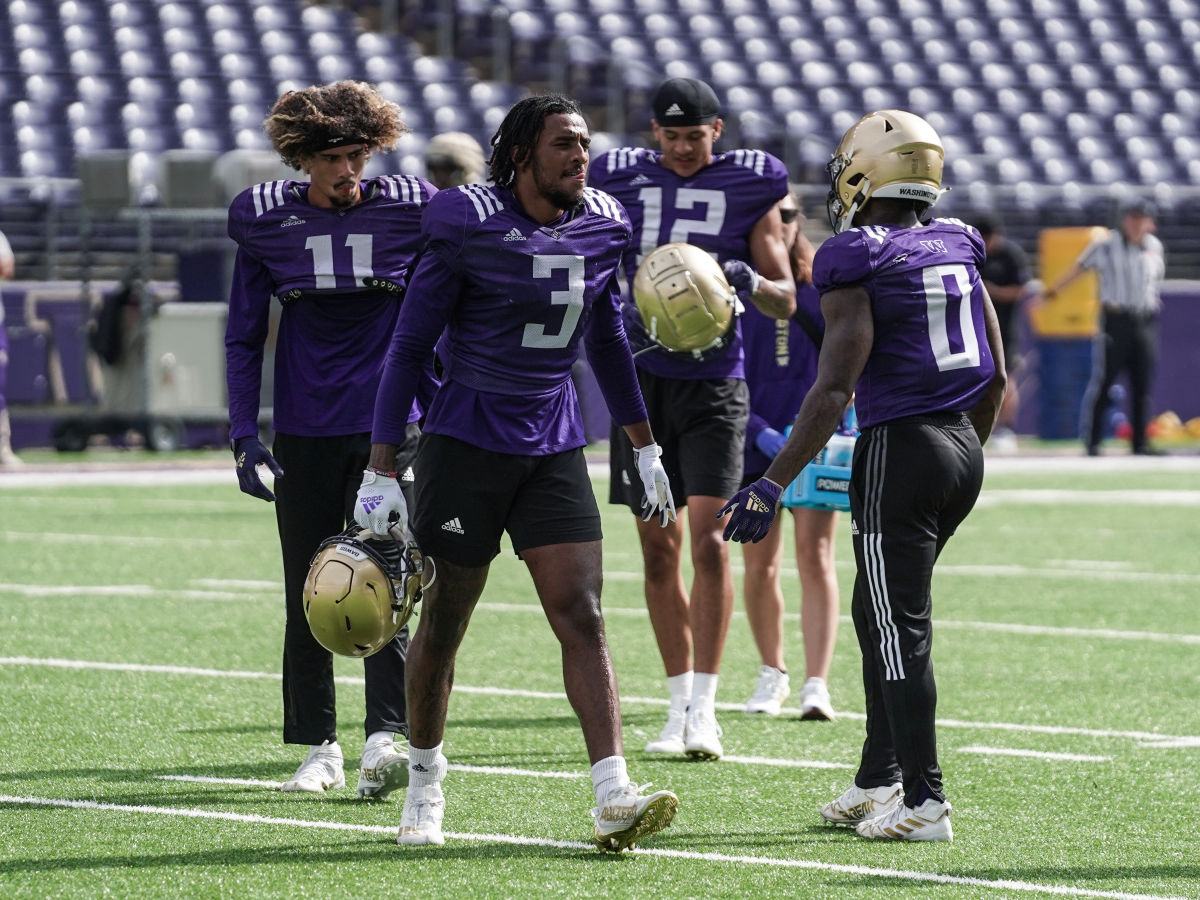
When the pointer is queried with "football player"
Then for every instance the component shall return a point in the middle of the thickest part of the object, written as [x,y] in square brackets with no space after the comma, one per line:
[336,251]
[726,204]
[517,276]
[909,321]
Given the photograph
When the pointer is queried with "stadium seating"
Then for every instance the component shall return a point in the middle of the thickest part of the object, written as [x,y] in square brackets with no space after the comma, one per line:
[1088,94]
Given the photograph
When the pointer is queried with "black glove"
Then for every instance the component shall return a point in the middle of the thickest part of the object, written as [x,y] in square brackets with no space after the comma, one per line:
[250,453]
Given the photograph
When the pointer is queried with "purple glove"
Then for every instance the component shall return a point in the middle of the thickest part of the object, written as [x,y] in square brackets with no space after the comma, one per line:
[742,278]
[250,453]
[753,510]
[769,442]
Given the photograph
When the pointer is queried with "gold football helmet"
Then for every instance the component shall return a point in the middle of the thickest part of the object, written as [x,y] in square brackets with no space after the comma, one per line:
[684,300]
[890,153]
[361,590]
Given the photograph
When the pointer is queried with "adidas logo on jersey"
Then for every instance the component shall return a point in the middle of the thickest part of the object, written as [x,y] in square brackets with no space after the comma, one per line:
[673,110]
[407,475]
[514,235]
[290,221]
[638,180]
[454,526]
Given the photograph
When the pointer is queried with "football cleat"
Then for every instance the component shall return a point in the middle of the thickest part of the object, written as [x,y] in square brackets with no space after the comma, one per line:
[421,821]
[626,816]
[928,822]
[670,739]
[703,735]
[774,686]
[890,153]
[382,769]
[814,701]
[321,771]
[858,804]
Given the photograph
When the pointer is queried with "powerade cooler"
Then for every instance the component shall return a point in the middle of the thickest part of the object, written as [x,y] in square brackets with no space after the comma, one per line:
[825,482]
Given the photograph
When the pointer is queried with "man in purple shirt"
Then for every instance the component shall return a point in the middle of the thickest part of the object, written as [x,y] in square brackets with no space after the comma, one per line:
[336,251]
[908,320]
[726,204]
[513,278]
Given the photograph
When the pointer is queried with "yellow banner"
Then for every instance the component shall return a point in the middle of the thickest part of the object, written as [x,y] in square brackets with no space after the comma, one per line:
[1074,311]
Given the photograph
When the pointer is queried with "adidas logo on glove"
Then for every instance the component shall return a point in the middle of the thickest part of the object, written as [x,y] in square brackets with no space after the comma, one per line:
[370,504]
[755,504]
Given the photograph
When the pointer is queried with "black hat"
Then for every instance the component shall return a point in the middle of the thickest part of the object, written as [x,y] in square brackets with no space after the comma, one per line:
[1139,208]
[685,101]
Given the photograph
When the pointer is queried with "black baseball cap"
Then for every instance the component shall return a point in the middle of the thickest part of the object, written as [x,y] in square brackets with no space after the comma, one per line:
[685,101]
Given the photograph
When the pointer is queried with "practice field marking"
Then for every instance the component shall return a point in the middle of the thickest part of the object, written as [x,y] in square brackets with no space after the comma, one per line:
[1033,754]
[1151,738]
[1061,496]
[523,841]
[453,767]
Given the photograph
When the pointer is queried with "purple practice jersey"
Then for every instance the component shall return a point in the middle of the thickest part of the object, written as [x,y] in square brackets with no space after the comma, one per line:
[931,352]
[515,298]
[714,209]
[340,274]
[781,365]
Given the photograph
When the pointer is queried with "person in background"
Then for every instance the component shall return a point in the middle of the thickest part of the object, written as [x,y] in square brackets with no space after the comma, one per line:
[1006,275]
[727,204]
[336,251]
[514,278]
[453,158]
[7,268]
[781,366]
[911,335]
[1130,264]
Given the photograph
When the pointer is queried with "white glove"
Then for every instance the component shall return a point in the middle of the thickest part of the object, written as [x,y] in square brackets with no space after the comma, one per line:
[380,504]
[656,484]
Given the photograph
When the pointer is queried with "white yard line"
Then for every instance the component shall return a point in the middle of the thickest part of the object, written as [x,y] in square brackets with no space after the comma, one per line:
[522,840]
[1032,754]
[1149,738]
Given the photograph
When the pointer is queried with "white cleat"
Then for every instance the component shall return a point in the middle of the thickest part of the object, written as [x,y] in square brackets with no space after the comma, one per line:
[703,735]
[421,821]
[815,704]
[670,739]
[626,816]
[858,805]
[928,822]
[382,769]
[774,686]
[321,771]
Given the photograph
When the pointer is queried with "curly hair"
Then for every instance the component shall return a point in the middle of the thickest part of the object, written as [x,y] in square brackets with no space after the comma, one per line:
[517,137]
[316,118]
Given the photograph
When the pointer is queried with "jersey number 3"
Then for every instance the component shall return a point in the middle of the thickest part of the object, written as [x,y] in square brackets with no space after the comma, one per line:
[946,293]
[536,334]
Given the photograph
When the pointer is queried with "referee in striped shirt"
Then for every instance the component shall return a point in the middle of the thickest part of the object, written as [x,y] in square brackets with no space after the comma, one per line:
[1129,263]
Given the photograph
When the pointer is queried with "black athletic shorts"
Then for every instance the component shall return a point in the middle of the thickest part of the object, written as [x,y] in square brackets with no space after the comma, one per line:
[701,427]
[467,497]
[1006,318]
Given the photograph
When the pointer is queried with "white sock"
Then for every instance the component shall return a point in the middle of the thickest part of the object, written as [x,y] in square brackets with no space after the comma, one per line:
[609,775]
[328,747]
[680,687]
[704,692]
[381,737]
[426,767]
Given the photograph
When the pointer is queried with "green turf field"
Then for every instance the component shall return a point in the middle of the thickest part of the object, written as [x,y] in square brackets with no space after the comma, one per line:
[140,637]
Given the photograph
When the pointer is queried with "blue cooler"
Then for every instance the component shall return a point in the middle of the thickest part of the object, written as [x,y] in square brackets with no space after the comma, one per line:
[825,482]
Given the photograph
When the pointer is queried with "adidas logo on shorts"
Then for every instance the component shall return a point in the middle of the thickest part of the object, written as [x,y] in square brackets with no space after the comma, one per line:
[454,526]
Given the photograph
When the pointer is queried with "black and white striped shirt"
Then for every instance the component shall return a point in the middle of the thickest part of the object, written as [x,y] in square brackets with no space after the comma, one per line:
[1130,274]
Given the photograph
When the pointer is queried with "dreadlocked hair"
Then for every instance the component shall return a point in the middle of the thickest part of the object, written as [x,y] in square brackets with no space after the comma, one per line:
[516,138]
[303,122]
